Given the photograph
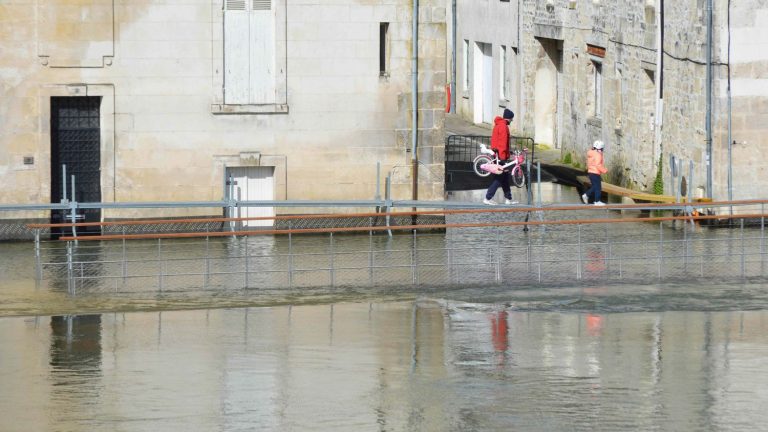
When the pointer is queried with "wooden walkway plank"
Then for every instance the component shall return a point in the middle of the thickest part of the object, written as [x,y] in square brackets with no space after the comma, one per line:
[636,196]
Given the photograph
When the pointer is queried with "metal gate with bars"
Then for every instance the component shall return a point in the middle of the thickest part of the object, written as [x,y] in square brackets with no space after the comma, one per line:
[460,150]
[76,155]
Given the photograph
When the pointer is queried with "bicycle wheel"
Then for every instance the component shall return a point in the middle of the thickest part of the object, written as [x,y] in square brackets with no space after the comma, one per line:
[481,160]
[518,176]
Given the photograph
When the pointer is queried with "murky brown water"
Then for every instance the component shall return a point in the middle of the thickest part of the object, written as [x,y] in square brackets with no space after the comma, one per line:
[424,365]
[592,357]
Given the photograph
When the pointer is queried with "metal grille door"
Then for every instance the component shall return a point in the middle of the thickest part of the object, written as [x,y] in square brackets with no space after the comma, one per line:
[75,142]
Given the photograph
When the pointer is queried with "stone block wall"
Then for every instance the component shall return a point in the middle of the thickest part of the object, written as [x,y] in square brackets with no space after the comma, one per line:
[635,139]
[165,134]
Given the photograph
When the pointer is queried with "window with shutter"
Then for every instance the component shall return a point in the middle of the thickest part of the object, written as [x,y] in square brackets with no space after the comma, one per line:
[249,52]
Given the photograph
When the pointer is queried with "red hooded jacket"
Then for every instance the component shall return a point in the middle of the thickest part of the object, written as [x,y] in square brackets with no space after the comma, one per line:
[500,138]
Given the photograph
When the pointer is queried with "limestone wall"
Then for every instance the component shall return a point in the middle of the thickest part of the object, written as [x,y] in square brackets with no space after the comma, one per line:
[167,136]
[636,136]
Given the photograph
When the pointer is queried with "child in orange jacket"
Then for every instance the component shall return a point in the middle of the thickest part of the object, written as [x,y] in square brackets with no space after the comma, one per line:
[595,168]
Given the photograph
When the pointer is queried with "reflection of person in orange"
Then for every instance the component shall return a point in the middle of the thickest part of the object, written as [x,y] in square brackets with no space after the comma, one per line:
[499,331]
[594,325]
[595,261]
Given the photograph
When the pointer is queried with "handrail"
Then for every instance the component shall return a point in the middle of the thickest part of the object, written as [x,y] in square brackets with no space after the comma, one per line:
[445,211]
[406,227]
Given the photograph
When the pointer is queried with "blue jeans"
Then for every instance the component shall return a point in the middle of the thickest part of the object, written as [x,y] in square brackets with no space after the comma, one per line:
[594,191]
[499,180]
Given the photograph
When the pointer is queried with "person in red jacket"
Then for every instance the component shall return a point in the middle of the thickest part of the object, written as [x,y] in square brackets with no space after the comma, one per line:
[595,168]
[500,144]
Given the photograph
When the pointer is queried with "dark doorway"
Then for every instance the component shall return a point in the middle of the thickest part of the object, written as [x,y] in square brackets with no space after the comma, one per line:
[75,142]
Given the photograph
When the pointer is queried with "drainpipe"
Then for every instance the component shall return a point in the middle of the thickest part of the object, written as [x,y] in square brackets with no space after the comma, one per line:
[415,101]
[730,113]
[657,119]
[453,57]
[708,122]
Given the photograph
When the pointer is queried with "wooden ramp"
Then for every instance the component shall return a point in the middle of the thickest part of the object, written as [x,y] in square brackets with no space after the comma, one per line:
[629,193]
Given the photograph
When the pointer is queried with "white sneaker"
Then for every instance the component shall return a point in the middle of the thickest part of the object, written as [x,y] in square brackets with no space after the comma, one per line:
[599,203]
[584,198]
[509,202]
[489,202]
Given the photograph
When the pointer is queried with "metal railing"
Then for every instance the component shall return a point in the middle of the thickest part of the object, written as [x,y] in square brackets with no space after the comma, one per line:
[512,246]
[464,148]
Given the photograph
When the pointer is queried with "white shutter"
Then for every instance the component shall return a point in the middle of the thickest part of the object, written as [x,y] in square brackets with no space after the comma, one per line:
[262,5]
[262,50]
[236,51]
[249,52]
[232,5]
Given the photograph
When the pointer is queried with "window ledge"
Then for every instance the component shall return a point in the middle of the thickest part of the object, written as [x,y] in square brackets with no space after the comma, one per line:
[249,109]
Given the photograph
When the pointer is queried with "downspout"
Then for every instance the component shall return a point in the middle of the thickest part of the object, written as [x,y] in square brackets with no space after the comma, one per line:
[658,116]
[730,112]
[415,101]
[708,121]
[519,88]
[453,56]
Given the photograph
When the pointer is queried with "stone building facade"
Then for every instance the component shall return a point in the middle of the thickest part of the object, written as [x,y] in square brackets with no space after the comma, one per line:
[299,100]
[587,70]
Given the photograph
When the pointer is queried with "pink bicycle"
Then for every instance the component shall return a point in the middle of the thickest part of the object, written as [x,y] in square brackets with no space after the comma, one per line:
[487,163]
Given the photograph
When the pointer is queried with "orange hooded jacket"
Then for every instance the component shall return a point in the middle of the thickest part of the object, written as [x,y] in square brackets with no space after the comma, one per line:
[595,162]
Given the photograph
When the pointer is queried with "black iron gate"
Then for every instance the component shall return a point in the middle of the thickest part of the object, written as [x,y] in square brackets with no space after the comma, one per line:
[460,150]
[76,144]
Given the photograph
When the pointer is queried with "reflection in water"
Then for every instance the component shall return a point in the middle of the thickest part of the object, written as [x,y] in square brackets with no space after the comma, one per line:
[425,365]
[75,366]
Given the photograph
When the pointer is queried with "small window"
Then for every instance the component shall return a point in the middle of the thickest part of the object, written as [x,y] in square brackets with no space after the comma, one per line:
[383,49]
[597,89]
[466,64]
[503,72]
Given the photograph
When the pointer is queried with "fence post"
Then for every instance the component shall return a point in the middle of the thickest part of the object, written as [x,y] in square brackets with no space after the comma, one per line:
[414,260]
[498,257]
[528,180]
[38,265]
[160,261]
[370,257]
[762,239]
[578,263]
[661,245]
[72,211]
[125,258]
[247,269]
[332,263]
[207,277]
[69,267]
[290,256]
[538,182]
[609,252]
[686,239]
[743,252]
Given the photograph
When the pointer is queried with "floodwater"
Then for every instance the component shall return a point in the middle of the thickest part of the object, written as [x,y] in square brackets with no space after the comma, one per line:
[619,357]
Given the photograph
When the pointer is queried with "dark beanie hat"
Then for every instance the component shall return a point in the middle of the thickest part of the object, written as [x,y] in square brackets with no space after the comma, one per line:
[508,114]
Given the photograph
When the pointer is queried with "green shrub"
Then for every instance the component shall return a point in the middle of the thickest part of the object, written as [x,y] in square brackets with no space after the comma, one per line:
[658,183]
[567,158]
